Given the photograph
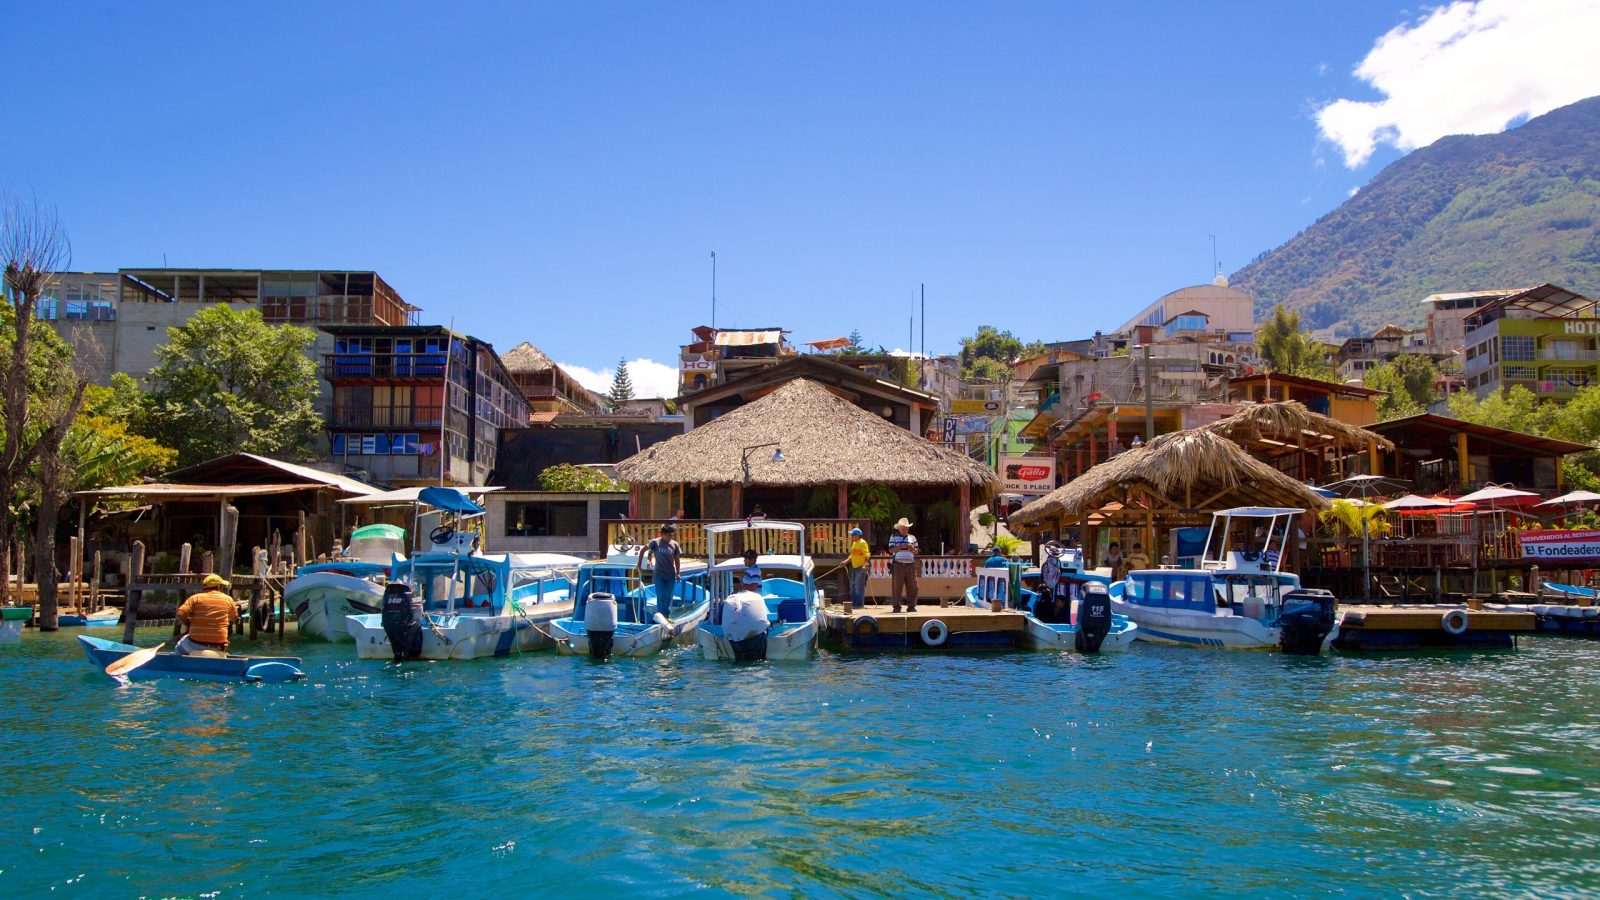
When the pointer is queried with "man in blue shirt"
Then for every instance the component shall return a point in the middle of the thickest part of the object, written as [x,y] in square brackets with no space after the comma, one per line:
[666,561]
[903,552]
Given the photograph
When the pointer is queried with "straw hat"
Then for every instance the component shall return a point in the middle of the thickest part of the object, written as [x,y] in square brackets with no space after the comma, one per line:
[903,523]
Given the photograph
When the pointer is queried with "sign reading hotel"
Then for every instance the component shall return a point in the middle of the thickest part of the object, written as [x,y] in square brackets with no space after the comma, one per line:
[974,407]
[1561,546]
[1027,474]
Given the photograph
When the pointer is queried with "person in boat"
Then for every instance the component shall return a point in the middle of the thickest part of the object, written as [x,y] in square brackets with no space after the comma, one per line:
[997,560]
[751,571]
[903,566]
[666,561]
[208,616]
[744,621]
[1054,603]
[860,556]
[1137,558]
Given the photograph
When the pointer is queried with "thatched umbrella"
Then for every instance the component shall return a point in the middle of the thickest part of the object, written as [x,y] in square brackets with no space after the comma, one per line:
[824,440]
[1288,427]
[1177,476]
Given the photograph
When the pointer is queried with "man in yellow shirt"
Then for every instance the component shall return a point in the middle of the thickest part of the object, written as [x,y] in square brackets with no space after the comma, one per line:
[1137,558]
[860,553]
[208,615]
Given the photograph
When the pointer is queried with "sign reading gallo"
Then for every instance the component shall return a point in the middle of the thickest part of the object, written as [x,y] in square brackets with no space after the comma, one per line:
[1027,474]
[1561,545]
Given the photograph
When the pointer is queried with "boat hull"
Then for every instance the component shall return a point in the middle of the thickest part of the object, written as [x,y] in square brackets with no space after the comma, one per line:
[1039,635]
[1198,629]
[321,601]
[785,641]
[465,635]
[102,653]
[630,638]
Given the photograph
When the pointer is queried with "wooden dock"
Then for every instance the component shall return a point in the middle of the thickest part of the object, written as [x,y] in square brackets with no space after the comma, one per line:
[1420,626]
[875,628]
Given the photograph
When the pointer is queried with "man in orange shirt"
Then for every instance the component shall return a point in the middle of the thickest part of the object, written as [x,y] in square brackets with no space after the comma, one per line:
[208,615]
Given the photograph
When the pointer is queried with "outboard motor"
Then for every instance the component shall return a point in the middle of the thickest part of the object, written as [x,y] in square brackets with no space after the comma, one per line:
[1094,617]
[600,621]
[1305,620]
[402,620]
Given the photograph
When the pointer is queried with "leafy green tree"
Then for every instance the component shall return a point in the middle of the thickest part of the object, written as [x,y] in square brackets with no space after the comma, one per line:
[226,381]
[986,369]
[1290,351]
[1000,347]
[621,385]
[568,477]
[1410,380]
[1515,409]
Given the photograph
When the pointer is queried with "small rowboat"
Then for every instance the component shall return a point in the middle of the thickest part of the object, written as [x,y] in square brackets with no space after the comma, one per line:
[102,653]
[105,618]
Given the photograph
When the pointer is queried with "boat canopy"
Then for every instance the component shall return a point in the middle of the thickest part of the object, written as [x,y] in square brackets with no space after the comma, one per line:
[378,532]
[1260,512]
[754,525]
[449,499]
[767,561]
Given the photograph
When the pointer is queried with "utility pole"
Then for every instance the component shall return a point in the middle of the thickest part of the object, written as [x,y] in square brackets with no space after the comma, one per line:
[924,314]
[713,289]
[1149,399]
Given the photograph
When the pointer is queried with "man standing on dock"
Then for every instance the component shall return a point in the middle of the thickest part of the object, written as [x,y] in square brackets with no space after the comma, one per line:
[859,557]
[903,566]
[208,615]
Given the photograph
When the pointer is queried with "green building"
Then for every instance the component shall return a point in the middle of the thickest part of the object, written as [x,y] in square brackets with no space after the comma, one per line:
[1543,339]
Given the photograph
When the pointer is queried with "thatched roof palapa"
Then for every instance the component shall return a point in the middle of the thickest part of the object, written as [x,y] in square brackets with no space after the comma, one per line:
[1192,470]
[824,438]
[525,357]
[1290,423]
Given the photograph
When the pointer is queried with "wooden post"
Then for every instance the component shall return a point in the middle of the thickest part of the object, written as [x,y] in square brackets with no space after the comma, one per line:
[843,504]
[258,592]
[74,561]
[94,586]
[1463,470]
[964,522]
[1372,456]
[185,554]
[302,541]
[207,563]
[230,537]
[130,613]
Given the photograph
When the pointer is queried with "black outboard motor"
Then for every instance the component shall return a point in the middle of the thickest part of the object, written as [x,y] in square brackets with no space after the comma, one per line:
[1305,621]
[750,649]
[402,620]
[600,623]
[1094,617]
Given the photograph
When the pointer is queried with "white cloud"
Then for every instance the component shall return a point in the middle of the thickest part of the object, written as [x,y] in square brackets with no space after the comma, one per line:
[650,378]
[1470,67]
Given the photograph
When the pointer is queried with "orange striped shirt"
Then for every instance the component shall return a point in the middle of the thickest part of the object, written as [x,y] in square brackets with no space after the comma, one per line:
[208,615]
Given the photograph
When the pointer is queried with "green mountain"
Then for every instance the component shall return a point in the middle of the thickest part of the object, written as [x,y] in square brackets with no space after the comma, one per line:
[1505,210]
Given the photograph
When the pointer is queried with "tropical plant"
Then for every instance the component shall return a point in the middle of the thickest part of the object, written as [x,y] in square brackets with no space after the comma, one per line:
[876,502]
[1409,380]
[584,479]
[1007,544]
[226,381]
[1287,349]
[1349,516]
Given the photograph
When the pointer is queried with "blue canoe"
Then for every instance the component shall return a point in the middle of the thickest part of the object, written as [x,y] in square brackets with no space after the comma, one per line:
[102,653]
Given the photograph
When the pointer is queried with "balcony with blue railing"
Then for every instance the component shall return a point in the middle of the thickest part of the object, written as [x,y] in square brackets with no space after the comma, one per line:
[384,366]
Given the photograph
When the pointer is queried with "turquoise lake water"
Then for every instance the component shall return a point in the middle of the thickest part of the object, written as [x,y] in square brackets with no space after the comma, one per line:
[1157,772]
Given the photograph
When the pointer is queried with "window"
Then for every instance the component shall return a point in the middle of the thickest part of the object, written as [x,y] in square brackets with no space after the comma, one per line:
[1567,349]
[1521,373]
[1517,348]
[548,518]
[613,509]
[336,445]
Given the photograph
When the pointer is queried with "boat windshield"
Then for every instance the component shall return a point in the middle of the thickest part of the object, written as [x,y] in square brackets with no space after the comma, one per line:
[1249,539]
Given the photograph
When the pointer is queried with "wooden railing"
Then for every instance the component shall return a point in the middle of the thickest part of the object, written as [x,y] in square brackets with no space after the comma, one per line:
[824,537]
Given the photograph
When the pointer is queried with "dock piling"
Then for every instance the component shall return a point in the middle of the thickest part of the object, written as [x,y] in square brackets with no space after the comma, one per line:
[130,613]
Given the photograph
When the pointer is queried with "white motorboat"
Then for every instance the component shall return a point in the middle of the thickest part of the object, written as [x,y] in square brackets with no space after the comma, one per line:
[1038,634]
[322,595]
[1238,599]
[787,586]
[629,618]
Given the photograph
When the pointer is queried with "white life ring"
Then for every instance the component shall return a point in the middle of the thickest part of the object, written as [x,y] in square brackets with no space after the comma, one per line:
[1454,621]
[935,633]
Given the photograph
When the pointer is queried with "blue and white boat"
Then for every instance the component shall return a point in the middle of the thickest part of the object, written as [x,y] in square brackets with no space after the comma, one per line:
[322,595]
[1238,599]
[102,653]
[787,585]
[104,618]
[643,624]
[993,586]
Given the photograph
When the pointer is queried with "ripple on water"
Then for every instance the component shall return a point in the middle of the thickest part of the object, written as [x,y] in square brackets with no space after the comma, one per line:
[1019,774]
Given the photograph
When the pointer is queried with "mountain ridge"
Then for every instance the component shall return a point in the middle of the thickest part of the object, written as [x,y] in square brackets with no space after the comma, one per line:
[1467,212]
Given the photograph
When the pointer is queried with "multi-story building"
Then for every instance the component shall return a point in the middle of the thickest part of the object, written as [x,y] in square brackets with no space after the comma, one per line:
[1357,356]
[1447,316]
[115,321]
[1226,309]
[1543,339]
[418,404]
[549,389]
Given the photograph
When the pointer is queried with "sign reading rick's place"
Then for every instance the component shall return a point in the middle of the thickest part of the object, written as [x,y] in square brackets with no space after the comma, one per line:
[1561,546]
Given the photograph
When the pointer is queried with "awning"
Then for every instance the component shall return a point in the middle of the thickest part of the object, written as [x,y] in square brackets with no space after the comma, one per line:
[749,338]
[450,499]
[830,344]
[197,492]
[406,496]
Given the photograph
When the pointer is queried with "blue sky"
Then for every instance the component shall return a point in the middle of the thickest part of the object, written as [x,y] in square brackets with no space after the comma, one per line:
[560,173]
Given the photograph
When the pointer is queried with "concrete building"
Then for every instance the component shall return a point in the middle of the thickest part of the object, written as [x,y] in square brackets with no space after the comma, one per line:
[1357,356]
[1543,339]
[1447,315]
[550,521]
[115,321]
[1226,309]
[389,420]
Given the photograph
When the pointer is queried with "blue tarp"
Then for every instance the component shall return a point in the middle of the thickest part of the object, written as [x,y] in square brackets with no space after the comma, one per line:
[449,499]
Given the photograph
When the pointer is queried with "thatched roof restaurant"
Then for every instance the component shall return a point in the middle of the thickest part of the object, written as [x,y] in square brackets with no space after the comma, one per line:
[1176,480]
[1298,441]
[725,468]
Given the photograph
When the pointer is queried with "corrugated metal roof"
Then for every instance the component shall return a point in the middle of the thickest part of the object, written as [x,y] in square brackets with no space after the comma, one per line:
[197,491]
[749,338]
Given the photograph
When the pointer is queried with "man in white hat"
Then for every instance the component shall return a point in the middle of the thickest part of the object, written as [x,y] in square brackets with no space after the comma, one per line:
[903,565]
